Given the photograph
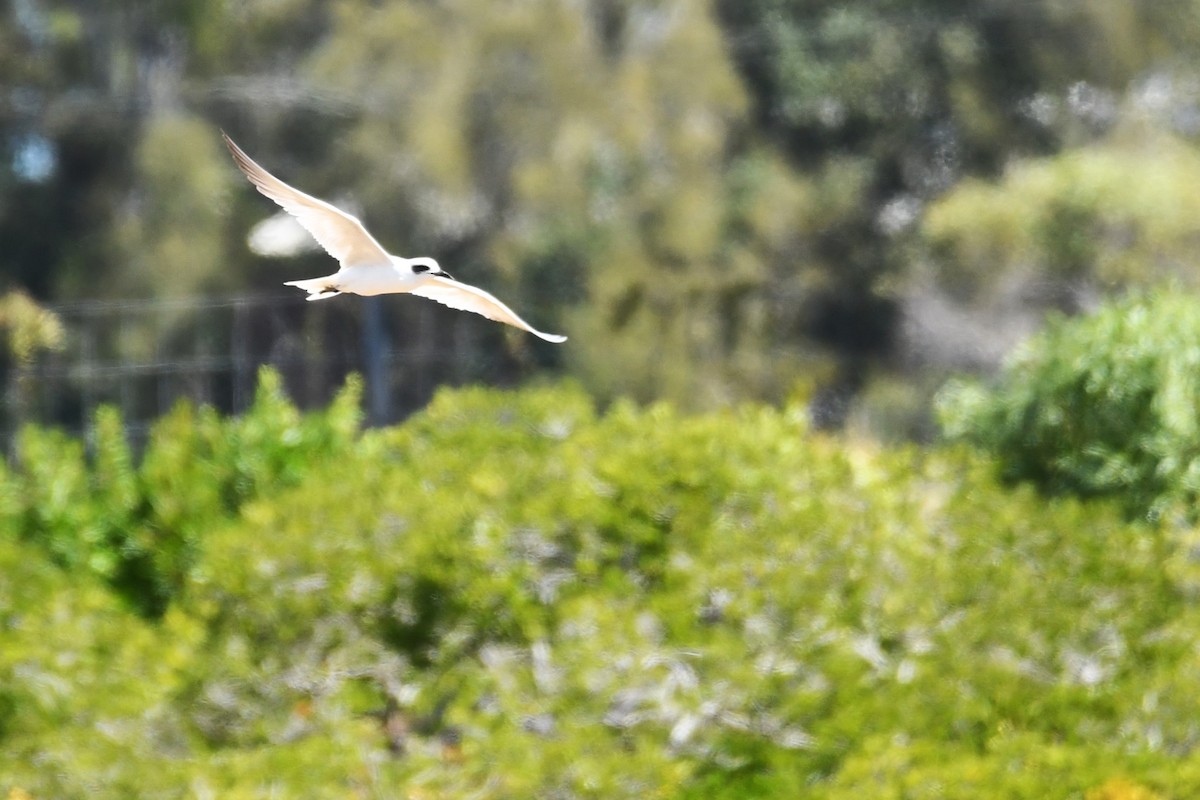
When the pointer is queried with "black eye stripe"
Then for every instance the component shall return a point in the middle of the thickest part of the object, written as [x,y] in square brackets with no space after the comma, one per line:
[418,268]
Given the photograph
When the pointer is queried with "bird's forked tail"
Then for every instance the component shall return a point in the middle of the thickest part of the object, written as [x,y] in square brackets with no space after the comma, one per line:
[317,288]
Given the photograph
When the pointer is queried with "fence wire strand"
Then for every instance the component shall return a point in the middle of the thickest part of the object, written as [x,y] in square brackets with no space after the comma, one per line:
[144,356]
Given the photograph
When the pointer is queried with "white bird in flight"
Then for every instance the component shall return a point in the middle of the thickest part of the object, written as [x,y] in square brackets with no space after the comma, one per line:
[366,268]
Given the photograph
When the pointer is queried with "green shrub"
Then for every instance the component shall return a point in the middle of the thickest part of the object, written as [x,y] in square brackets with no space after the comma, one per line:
[512,595]
[647,604]
[85,684]
[138,526]
[1104,405]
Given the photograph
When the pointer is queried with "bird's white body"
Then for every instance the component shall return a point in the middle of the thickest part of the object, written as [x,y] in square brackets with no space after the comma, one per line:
[395,277]
[372,279]
[366,268]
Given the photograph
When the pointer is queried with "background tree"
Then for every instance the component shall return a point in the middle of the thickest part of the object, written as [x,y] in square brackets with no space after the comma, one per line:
[586,155]
[916,98]
[722,200]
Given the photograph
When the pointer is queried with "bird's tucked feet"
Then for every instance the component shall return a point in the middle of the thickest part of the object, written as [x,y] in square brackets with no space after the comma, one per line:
[322,293]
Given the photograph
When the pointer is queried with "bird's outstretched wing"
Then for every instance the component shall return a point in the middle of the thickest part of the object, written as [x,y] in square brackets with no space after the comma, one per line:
[465,297]
[342,235]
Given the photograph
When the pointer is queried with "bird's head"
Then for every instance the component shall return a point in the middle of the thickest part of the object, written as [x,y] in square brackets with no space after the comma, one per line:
[427,266]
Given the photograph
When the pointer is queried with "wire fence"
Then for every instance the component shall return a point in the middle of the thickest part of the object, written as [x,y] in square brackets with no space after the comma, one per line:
[144,356]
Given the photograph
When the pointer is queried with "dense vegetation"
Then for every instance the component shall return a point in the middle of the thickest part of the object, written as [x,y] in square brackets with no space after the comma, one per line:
[515,595]
[1101,406]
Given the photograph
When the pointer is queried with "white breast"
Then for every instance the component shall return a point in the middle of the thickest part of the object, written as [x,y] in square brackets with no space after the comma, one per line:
[376,279]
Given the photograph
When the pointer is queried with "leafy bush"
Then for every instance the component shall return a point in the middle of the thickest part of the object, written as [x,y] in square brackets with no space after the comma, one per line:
[512,595]
[1104,405]
[84,683]
[138,525]
[646,604]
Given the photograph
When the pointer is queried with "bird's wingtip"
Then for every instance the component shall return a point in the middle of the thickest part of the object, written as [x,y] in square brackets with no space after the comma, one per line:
[553,337]
[237,151]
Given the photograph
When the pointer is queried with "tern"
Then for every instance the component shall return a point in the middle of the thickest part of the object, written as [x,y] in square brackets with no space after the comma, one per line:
[366,268]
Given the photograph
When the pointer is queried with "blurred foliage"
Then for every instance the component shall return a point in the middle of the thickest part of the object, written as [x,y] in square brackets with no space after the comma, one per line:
[716,200]
[1101,405]
[565,159]
[513,595]
[1087,215]
[138,526]
[926,97]
[28,327]
[173,239]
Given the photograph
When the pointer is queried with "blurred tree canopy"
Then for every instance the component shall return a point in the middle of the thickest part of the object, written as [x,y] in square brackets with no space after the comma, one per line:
[718,199]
